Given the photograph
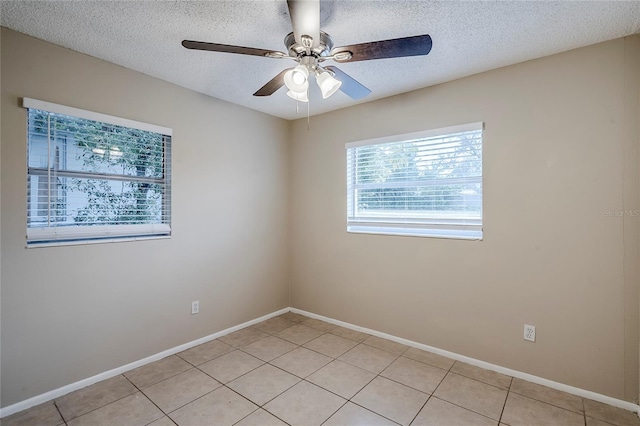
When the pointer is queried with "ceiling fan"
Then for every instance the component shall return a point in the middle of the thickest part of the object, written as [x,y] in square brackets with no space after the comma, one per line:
[310,47]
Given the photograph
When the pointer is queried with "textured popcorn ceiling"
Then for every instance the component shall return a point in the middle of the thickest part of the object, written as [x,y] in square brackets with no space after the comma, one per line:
[468,38]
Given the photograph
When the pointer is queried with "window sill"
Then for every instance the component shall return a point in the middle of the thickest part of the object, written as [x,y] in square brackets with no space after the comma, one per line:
[471,235]
[95,241]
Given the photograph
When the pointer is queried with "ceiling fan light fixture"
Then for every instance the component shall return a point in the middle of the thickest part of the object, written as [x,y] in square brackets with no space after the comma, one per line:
[328,84]
[297,79]
[300,97]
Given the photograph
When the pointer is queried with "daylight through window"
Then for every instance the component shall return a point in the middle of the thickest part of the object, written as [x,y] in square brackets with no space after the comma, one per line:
[421,184]
[94,177]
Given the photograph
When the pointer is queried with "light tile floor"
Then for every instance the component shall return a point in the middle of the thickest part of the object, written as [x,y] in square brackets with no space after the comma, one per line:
[301,371]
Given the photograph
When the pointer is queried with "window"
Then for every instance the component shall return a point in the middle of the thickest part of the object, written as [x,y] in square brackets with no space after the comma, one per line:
[94,177]
[421,184]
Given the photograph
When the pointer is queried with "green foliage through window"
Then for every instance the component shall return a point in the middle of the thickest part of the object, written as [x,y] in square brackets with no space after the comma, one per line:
[417,181]
[85,172]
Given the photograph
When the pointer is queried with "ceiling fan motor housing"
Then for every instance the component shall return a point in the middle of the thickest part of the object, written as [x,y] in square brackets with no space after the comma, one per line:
[297,50]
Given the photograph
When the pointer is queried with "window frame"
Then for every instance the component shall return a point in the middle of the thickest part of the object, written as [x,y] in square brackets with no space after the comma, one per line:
[53,235]
[414,225]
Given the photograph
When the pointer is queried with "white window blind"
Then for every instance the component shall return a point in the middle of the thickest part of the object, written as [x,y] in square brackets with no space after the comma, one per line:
[94,177]
[420,184]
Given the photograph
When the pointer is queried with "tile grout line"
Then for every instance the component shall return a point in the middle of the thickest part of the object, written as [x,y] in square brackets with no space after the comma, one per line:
[422,407]
[268,401]
[165,415]
[260,407]
[330,356]
[509,391]
[149,399]
[256,410]
[464,408]
[186,403]
[431,395]
[304,379]
[347,400]
[330,391]
[372,379]
[457,405]
[200,397]
[368,409]
[504,405]
[95,409]
[549,403]
[243,374]
[371,411]
[338,409]
[488,384]
[59,412]
[255,356]
[166,378]
[239,348]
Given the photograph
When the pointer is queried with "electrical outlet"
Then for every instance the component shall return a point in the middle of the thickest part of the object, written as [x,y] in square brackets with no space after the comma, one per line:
[195,307]
[530,332]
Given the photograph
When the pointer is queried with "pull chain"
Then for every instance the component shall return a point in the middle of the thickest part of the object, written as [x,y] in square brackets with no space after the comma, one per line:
[308,109]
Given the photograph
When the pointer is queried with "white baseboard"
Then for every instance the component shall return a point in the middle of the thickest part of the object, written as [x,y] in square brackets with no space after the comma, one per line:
[493,367]
[56,393]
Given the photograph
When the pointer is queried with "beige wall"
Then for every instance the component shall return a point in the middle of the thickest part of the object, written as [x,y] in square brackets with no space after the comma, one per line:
[560,148]
[631,203]
[71,312]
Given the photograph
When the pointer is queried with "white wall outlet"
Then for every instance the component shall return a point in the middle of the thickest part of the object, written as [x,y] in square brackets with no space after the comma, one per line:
[195,307]
[530,332]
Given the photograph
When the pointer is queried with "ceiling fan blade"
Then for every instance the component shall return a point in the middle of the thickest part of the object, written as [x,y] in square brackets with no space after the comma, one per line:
[349,86]
[272,85]
[226,48]
[394,48]
[305,19]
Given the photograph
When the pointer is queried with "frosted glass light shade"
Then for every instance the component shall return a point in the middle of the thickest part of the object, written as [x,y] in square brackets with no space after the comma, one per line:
[297,79]
[301,97]
[328,84]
